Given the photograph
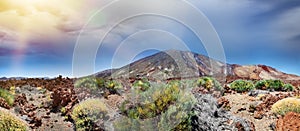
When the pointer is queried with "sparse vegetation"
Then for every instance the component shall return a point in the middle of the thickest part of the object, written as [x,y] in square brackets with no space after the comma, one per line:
[142,84]
[9,122]
[276,85]
[161,95]
[242,85]
[7,96]
[286,105]
[167,101]
[98,85]
[87,82]
[88,114]
[209,83]
[262,84]
[288,87]
[112,86]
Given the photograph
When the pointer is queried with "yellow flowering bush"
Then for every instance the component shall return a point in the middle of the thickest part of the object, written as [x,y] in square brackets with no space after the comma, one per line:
[286,105]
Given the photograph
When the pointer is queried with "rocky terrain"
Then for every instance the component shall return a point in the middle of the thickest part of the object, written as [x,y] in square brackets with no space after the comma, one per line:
[196,92]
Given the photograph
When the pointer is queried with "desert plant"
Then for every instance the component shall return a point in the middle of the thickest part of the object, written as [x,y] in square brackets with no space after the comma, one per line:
[209,83]
[10,122]
[286,105]
[161,97]
[7,96]
[87,82]
[98,85]
[100,82]
[178,117]
[262,84]
[12,90]
[142,84]
[63,110]
[112,86]
[242,85]
[288,87]
[88,114]
[275,84]
[167,101]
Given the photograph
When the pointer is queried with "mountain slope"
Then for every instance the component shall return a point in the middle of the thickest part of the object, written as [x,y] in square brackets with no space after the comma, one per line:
[173,64]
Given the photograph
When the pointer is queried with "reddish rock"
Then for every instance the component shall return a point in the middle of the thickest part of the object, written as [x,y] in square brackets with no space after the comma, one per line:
[4,104]
[240,127]
[269,100]
[258,115]
[290,122]
[223,102]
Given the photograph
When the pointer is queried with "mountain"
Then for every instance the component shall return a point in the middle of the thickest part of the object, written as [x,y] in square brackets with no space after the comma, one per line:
[174,64]
[3,78]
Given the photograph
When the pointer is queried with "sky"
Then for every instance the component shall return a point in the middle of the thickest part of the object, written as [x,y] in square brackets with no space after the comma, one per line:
[38,38]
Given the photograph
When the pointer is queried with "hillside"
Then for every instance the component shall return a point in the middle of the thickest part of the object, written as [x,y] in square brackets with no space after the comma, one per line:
[173,64]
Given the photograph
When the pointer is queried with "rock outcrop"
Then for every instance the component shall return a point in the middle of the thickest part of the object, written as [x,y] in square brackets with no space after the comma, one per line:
[210,117]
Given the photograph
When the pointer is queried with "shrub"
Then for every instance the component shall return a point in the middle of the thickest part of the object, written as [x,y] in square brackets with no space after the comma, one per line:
[178,117]
[168,102]
[161,97]
[10,122]
[142,85]
[112,86]
[100,82]
[242,85]
[86,82]
[7,96]
[98,85]
[288,87]
[261,84]
[286,105]
[276,85]
[88,114]
[209,83]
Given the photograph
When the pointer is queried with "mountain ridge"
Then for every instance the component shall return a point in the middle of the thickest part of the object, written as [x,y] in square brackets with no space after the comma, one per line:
[174,64]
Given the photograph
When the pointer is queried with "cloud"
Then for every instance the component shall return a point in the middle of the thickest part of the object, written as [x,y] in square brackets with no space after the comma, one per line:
[33,19]
[5,51]
[274,8]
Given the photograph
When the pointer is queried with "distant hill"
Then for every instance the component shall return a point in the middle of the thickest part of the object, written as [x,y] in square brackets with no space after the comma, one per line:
[174,64]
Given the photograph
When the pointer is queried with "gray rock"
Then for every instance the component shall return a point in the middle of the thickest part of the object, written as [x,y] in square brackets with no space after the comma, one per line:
[258,92]
[210,118]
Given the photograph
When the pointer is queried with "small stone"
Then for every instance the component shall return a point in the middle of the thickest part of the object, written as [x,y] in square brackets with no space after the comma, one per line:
[241,109]
[258,115]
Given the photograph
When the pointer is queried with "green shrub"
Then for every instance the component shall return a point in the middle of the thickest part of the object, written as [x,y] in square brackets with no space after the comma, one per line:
[142,85]
[276,85]
[98,85]
[100,82]
[10,122]
[286,105]
[112,86]
[87,82]
[178,117]
[262,84]
[7,96]
[209,83]
[242,85]
[87,113]
[161,98]
[288,87]
[167,101]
